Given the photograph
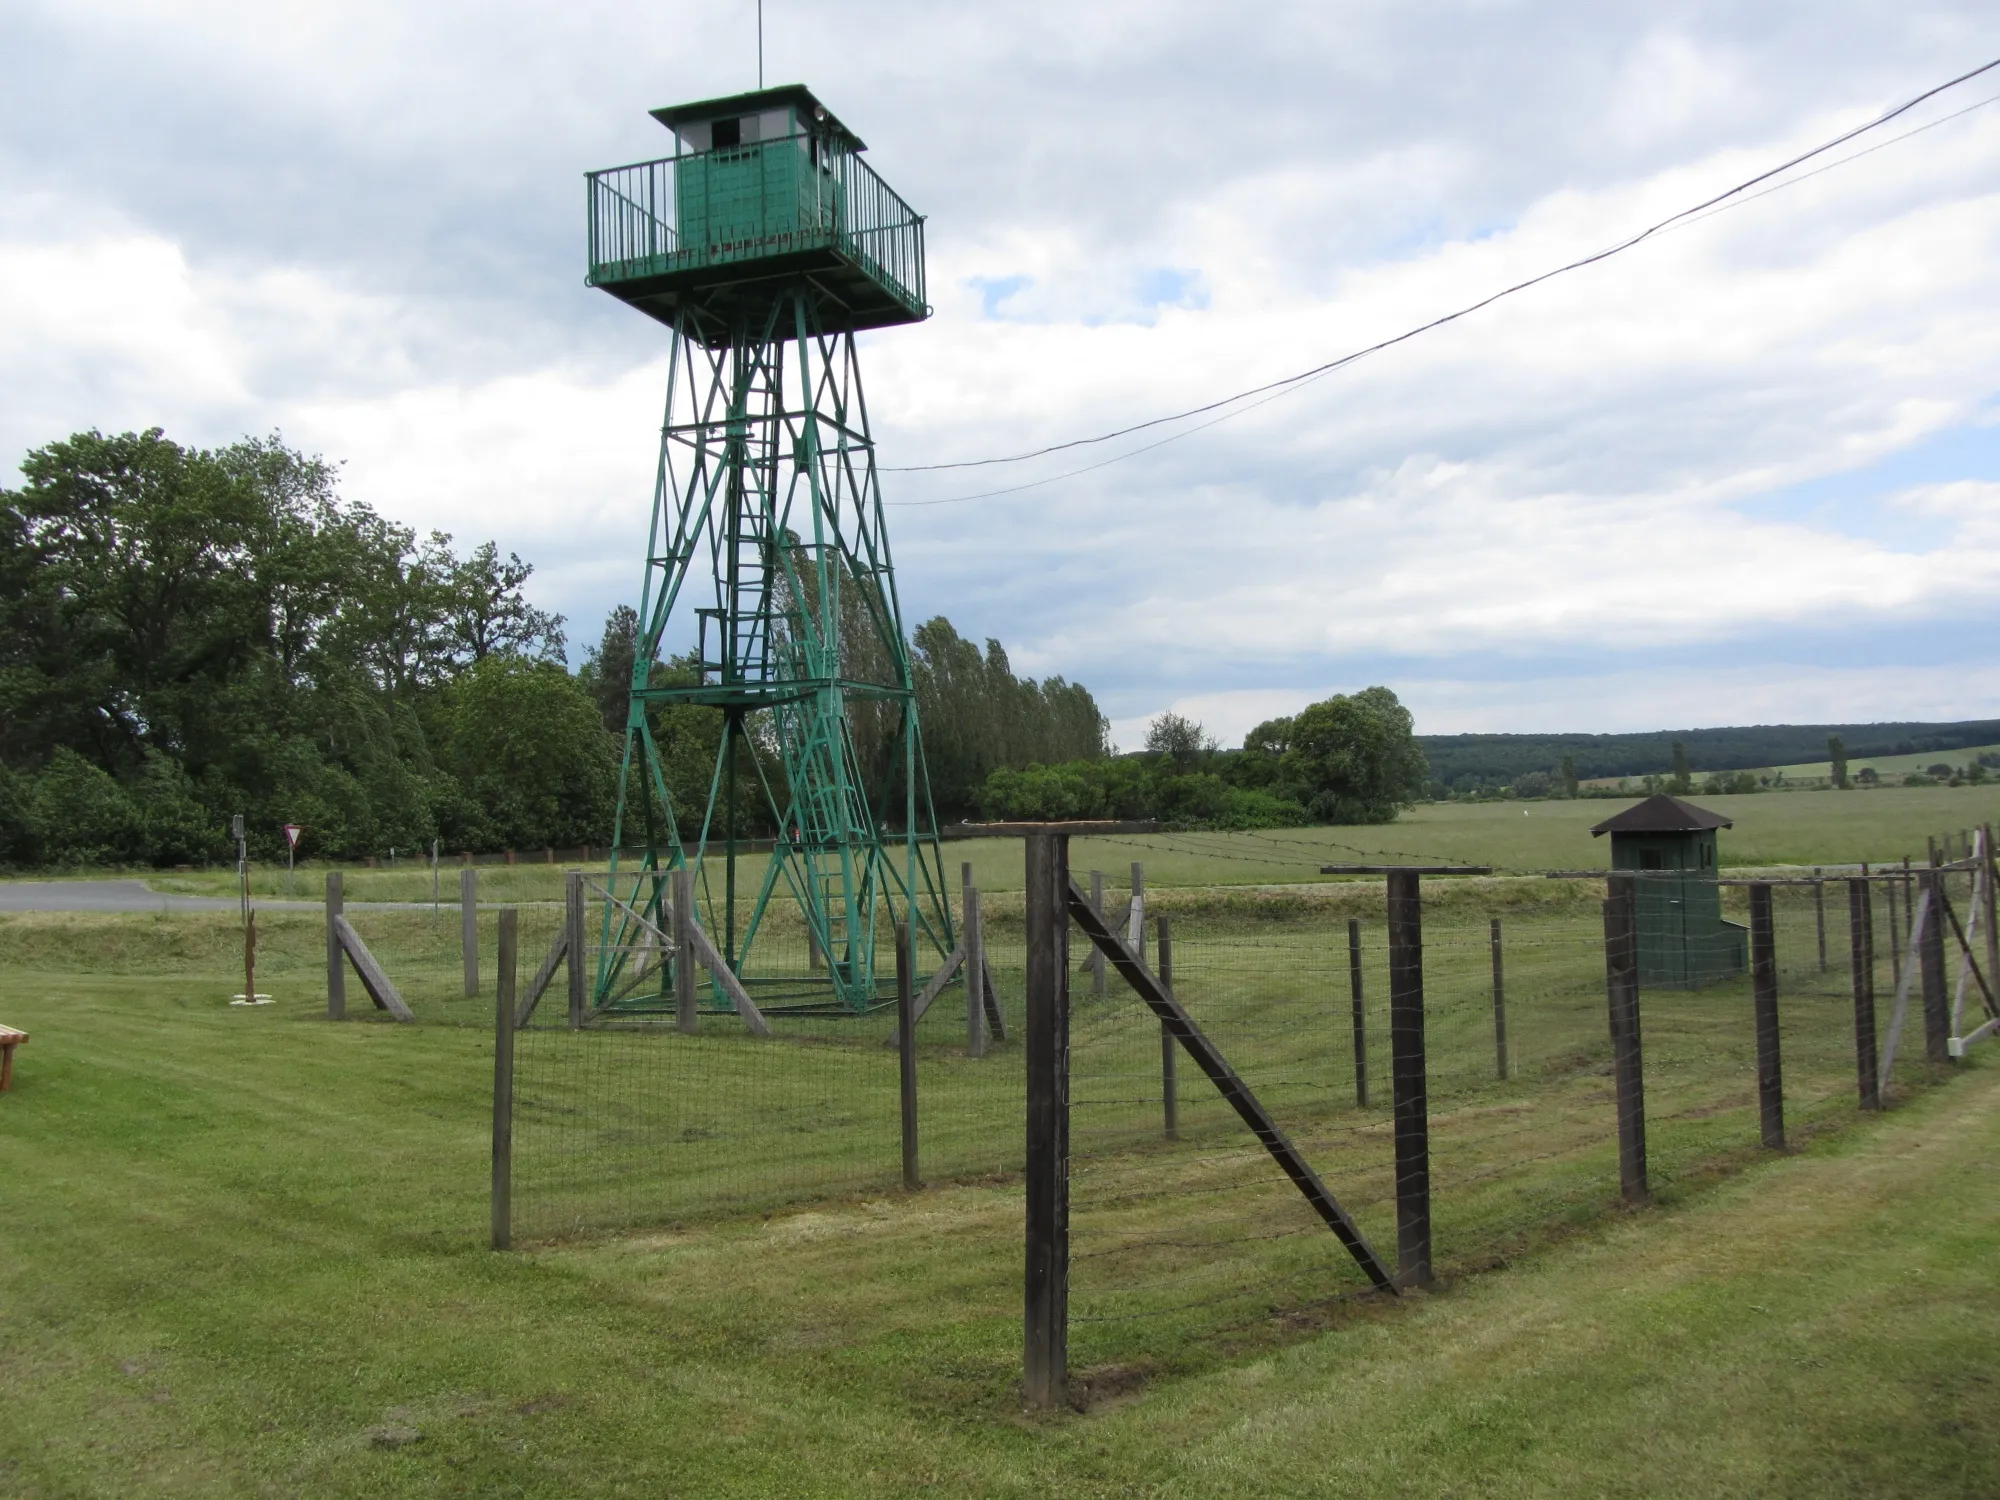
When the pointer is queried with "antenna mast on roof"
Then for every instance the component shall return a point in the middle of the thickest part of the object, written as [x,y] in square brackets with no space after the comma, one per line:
[760,43]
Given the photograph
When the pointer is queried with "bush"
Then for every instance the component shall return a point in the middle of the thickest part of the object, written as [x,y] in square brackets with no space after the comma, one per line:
[20,835]
[85,817]
[179,830]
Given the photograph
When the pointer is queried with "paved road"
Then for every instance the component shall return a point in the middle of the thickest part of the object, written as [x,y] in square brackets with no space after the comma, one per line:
[111,895]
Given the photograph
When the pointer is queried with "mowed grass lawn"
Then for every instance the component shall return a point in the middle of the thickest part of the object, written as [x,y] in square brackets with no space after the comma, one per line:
[242,1252]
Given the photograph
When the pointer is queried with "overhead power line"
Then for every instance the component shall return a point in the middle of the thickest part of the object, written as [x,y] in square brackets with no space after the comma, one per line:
[1275,388]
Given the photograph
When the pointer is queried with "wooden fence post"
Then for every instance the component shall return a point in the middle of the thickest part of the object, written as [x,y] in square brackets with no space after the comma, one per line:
[974,967]
[468,927]
[906,1052]
[579,971]
[1621,966]
[1045,1361]
[336,958]
[1499,1007]
[1819,914]
[1407,1076]
[1895,928]
[686,1012]
[1360,1015]
[1992,904]
[1764,1001]
[1169,1054]
[503,1082]
[1909,901]
[1096,958]
[1937,1002]
[1135,935]
[1861,925]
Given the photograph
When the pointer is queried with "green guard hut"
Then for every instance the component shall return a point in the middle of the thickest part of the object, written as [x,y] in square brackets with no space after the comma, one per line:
[762,188]
[1684,943]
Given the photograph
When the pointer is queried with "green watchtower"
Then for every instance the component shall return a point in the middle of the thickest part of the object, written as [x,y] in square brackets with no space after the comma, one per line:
[1684,942]
[765,243]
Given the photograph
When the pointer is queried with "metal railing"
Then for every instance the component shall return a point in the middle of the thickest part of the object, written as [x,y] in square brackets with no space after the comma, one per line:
[830,198]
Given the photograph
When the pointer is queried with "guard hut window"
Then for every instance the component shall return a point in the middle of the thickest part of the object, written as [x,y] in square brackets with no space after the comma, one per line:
[1649,859]
[726,133]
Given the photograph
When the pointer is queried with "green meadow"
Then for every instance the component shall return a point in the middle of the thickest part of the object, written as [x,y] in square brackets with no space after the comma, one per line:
[244,1250]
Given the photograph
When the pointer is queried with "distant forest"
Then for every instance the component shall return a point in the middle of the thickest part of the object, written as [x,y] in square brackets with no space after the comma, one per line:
[1462,762]
[187,634]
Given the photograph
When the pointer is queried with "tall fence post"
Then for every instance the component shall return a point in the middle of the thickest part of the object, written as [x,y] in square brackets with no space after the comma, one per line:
[1045,1362]
[1992,904]
[1135,933]
[1819,915]
[906,1051]
[336,967]
[1764,1001]
[686,1015]
[1937,1002]
[468,927]
[975,964]
[1170,1103]
[1360,1014]
[1621,969]
[1895,928]
[579,971]
[1407,1077]
[1096,958]
[1909,901]
[1499,1008]
[1861,926]
[503,1082]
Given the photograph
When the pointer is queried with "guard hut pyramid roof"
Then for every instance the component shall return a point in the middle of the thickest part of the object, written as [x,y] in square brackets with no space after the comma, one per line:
[1660,813]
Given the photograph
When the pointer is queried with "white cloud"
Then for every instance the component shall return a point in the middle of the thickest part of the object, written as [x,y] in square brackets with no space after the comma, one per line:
[360,224]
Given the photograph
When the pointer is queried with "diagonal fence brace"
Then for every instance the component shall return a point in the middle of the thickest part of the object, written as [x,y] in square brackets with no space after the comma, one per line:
[1181,1026]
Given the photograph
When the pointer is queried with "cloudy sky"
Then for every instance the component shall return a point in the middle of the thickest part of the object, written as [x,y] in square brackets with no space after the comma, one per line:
[1749,472]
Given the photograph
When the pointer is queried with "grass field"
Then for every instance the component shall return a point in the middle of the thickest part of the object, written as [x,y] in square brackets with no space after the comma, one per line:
[243,1256]
[243,1251]
[1772,829]
[1889,765]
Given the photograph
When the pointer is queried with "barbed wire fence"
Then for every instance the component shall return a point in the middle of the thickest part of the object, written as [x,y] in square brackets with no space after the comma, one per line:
[1185,1233]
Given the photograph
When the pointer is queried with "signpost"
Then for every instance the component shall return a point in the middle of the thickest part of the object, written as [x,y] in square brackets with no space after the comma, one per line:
[242,867]
[292,832]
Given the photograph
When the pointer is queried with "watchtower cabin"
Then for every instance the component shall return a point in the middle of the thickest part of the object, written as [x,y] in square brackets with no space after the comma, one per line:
[1683,940]
[763,189]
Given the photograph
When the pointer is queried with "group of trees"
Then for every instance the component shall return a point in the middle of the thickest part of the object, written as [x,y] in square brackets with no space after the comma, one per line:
[1353,758]
[1472,764]
[188,633]
[975,716]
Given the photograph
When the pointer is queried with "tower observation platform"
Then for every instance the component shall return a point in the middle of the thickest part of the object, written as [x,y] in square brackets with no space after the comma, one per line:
[762,188]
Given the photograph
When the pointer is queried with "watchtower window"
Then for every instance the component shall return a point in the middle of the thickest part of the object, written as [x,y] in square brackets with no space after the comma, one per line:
[1649,859]
[726,133]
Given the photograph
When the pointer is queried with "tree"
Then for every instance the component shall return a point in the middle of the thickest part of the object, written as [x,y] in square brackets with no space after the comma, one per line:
[487,612]
[531,746]
[606,673]
[1179,743]
[1569,777]
[1836,752]
[1683,772]
[1356,757]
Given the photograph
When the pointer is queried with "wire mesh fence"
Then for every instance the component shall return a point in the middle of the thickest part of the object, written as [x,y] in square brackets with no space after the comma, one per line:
[1183,1232]
[1185,1236]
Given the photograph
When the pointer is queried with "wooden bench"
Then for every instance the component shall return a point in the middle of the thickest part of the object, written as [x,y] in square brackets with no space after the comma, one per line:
[9,1040]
